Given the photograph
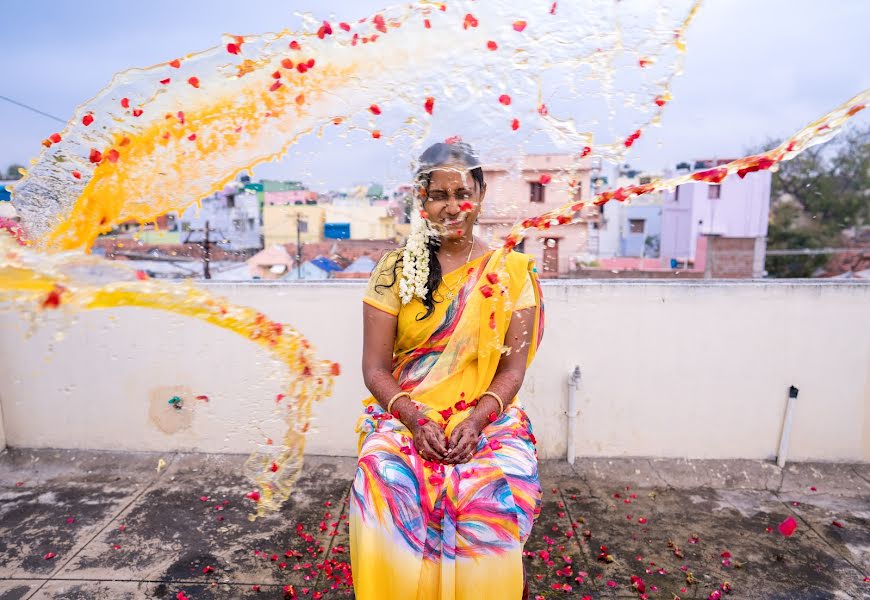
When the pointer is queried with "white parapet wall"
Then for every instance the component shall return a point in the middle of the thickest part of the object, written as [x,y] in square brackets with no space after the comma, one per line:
[669,369]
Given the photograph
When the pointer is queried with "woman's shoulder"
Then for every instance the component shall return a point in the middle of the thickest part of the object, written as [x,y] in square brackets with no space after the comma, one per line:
[520,262]
[387,266]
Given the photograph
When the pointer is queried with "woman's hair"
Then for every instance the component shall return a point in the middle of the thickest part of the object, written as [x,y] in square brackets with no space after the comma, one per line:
[435,156]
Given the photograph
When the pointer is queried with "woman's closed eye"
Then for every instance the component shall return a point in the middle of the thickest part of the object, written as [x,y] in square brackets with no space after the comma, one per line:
[441,196]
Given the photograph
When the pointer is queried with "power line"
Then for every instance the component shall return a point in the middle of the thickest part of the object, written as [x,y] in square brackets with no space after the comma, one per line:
[36,110]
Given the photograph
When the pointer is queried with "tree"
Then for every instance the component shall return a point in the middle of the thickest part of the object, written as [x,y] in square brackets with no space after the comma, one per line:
[12,172]
[821,198]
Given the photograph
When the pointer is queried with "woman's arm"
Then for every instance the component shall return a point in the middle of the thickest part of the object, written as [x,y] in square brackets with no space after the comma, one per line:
[506,383]
[379,337]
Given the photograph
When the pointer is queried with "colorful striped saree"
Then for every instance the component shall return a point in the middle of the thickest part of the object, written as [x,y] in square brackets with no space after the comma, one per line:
[421,530]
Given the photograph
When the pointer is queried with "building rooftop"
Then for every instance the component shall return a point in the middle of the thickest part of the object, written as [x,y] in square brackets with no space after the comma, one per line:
[117,528]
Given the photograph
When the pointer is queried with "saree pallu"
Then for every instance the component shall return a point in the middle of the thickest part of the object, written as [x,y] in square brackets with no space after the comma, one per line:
[427,531]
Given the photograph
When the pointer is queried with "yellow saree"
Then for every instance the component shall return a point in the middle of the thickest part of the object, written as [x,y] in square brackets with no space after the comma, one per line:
[422,530]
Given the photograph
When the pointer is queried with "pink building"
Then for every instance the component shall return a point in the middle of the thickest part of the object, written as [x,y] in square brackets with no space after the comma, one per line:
[290,197]
[515,194]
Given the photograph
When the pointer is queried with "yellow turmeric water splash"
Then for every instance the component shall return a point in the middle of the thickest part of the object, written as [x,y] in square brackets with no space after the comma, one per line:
[159,139]
[79,282]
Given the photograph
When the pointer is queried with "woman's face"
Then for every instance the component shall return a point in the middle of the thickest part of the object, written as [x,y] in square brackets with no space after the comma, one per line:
[452,201]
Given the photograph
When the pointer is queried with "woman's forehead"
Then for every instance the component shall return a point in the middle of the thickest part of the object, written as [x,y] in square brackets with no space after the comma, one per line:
[452,176]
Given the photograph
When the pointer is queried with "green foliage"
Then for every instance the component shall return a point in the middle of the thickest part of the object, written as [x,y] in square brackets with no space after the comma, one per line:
[816,198]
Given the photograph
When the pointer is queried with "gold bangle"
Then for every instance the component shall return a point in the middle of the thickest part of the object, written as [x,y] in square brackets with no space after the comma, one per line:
[394,398]
[497,399]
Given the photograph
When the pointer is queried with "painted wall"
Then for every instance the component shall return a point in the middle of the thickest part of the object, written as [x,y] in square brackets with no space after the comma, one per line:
[674,369]
[634,244]
[279,223]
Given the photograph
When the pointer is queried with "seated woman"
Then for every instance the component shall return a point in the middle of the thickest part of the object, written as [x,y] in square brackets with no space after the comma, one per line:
[446,489]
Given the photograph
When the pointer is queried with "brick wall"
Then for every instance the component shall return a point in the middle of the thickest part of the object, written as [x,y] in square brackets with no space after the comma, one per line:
[730,258]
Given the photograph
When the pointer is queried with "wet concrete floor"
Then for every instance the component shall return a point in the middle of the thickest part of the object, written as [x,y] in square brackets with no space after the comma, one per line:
[100,525]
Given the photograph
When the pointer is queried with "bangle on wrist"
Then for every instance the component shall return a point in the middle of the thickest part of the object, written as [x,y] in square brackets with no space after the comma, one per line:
[497,399]
[394,398]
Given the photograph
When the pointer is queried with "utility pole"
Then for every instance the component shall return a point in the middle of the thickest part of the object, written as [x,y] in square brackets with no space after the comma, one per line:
[206,254]
[299,244]
[206,244]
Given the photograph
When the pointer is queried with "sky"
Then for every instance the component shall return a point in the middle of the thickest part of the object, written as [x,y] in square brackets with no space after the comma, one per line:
[754,70]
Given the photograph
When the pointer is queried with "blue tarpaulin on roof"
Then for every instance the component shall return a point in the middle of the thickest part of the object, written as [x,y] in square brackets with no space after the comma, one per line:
[321,262]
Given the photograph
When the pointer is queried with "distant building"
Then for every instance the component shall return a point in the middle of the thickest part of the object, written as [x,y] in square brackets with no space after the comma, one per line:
[631,228]
[733,215]
[289,223]
[515,195]
[233,215]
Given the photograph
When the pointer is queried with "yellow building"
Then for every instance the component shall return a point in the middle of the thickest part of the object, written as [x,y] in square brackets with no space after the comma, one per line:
[366,222]
[279,223]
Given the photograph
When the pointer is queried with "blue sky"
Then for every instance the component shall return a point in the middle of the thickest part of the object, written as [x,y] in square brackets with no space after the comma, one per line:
[754,70]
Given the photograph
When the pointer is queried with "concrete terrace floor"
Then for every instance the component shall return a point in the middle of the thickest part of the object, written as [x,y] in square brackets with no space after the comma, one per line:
[119,529]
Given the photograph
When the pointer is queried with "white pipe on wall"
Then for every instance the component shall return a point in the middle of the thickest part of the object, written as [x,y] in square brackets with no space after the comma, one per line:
[786,426]
[572,412]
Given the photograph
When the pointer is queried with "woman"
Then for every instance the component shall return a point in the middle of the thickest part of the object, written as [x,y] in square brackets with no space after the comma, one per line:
[446,489]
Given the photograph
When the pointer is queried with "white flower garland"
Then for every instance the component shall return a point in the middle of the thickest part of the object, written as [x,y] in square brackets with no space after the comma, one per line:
[415,260]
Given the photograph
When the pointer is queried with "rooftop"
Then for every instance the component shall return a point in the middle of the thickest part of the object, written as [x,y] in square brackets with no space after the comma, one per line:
[118,528]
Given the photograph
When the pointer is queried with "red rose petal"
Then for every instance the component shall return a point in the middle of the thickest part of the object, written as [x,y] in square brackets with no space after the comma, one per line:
[375,109]
[125,102]
[515,124]
[429,105]
[505,99]
[491,45]
[175,64]
[95,156]
[194,81]
[788,527]
[545,179]
[87,120]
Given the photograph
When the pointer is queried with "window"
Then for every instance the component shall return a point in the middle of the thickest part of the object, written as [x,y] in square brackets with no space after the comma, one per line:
[302,225]
[185,226]
[713,191]
[231,201]
[645,180]
[635,225]
[536,192]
